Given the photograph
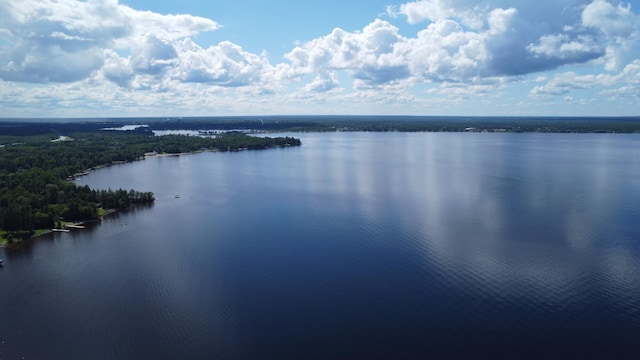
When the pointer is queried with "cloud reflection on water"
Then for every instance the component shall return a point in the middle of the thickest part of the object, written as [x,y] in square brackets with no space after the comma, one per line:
[504,209]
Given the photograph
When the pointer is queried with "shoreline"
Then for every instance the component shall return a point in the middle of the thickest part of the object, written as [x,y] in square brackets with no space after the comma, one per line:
[68,227]
[141,158]
[80,225]
[10,237]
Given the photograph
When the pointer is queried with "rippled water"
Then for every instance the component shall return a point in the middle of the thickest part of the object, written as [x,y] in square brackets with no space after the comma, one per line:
[361,245]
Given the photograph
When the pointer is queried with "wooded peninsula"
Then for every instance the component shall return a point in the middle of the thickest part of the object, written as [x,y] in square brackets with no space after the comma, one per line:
[37,166]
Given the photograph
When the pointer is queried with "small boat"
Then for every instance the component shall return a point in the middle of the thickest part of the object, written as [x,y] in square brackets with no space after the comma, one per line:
[1,260]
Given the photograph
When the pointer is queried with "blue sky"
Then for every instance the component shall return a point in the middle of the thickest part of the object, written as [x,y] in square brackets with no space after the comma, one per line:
[104,58]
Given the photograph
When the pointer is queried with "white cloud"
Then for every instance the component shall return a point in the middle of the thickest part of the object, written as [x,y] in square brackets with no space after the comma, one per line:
[476,88]
[462,48]
[117,69]
[167,27]
[625,83]
[445,52]
[378,55]
[526,37]
[499,20]
[225,64]
[621,29]
[153,56]
[564,83]
[323,83]
[66,40]
[464,40]
[372,55]
[433,10]
[629,84]
[617,21]
[562,46]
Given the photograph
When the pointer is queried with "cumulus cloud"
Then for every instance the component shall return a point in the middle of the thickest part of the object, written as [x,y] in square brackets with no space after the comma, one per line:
[564,83]
[461,48]
[225,64]
[117,69]
[562,46]
[167,27]
[616,21]
[525,37]
[323,83]
[153,56]
[433,10]
[373,55]
[625,83]
[465,40]
[620,28]
[68,40]
[477,43]
[444,51]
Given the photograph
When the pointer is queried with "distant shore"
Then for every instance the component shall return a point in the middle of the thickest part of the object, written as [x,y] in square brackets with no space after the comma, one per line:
[328,123]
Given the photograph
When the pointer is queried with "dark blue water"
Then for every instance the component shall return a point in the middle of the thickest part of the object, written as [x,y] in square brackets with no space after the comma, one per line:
[355,245]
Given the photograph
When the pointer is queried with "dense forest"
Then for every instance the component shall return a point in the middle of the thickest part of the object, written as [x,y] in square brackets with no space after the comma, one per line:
[35,191]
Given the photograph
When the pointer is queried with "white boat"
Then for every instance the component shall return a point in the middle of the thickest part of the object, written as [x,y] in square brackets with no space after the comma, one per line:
[1,260]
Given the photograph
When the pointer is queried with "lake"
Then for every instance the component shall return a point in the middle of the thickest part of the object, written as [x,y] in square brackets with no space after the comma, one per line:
[354,245]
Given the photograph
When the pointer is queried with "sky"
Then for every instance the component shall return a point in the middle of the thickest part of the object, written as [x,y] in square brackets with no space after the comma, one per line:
[123,58]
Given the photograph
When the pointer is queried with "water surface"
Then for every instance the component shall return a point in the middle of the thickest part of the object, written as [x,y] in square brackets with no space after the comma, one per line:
[361,245]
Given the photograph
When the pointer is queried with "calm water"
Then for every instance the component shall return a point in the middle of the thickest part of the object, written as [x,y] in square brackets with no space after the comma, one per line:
[360,245]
